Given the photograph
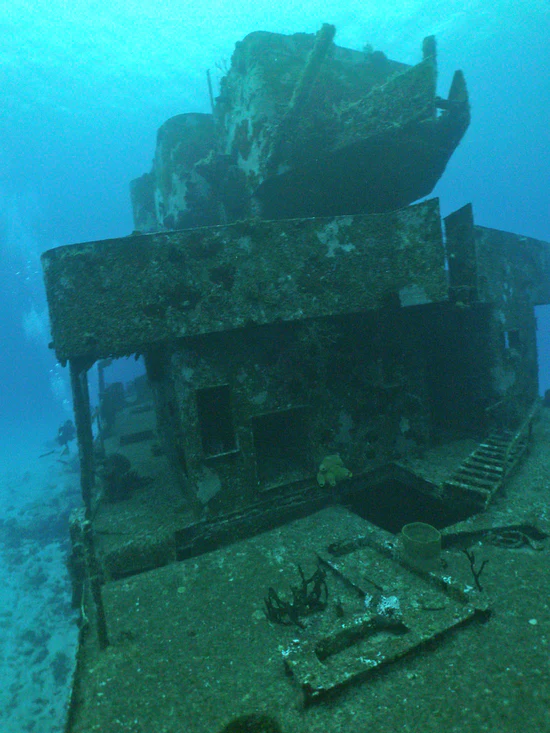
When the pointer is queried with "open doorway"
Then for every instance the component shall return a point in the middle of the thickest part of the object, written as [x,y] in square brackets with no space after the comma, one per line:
[119,384]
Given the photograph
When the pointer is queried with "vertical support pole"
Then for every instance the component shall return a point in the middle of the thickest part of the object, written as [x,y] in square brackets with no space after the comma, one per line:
[210,92]
[101,366]
[94,576]
[101,376]
[83,420]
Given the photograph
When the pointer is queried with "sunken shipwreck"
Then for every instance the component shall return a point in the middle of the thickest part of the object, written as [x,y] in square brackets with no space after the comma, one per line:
[339,391]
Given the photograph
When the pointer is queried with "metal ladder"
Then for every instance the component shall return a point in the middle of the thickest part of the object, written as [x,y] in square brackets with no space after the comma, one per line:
[484,471]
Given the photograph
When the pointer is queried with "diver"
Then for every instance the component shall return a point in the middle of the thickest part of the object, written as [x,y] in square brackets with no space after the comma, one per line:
[65,434]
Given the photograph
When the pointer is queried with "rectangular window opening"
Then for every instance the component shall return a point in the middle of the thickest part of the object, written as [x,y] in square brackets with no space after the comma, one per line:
[281,445]
[216,420]
[512,339]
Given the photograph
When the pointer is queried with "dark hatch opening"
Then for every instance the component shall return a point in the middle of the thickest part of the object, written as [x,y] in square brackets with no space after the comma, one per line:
[392,503]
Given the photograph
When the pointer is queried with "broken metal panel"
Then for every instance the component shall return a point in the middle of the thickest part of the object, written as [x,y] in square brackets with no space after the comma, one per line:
[461,254]
[513,275]
[114,297]
[510,274]
[513,270]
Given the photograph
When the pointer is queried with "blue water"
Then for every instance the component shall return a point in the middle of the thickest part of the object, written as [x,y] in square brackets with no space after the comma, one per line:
[85,85]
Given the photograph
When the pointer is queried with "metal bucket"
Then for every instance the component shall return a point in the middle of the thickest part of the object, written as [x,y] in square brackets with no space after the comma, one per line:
[421,544]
